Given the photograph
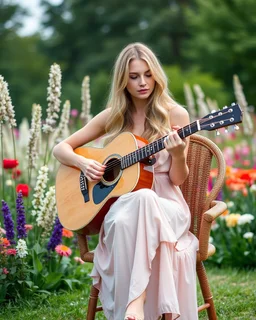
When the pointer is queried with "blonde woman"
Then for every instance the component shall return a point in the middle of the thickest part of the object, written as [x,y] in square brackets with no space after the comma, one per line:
[144,264]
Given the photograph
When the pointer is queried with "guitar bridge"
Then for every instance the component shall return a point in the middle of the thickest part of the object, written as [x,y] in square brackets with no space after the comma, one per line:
[84,187]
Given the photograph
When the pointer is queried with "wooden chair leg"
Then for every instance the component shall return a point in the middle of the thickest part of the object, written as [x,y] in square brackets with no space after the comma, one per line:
[206,291]
[92,305]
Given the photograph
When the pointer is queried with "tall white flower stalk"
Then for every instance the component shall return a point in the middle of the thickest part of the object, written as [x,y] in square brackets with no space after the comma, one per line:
[62,130]
[39,191]
[34,135]
[53,99]
[86,101]
[190,101]
[7,115]
[203,109]
[48,212]
[240,97]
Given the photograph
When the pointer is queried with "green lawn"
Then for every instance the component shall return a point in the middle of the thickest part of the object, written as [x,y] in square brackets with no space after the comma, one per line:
[234,295]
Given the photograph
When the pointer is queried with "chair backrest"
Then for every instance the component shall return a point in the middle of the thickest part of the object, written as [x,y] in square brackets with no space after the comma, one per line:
[201,154]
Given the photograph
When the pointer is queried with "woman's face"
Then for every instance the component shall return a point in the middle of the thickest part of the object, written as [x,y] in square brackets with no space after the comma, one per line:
[141,82]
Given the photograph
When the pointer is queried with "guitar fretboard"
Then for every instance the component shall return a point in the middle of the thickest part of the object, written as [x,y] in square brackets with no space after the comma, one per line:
[156,146]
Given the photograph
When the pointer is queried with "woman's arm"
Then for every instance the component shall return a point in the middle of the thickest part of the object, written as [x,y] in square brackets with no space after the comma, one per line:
[64,151]
[177,147]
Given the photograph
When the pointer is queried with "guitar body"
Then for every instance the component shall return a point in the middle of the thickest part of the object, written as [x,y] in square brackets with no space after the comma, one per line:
[82,204]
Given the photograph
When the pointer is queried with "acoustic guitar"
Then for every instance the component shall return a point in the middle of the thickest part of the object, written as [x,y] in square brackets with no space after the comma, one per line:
[82,204]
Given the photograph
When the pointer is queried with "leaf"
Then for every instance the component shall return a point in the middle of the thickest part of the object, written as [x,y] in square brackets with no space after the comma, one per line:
[38,267]
[69,282]
[52,280]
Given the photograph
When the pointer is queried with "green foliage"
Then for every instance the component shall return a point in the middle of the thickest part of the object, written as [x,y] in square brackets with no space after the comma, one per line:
[233,294]
[211,86]
[221,40]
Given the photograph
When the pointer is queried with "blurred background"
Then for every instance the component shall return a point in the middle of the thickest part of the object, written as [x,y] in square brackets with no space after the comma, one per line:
[197,41]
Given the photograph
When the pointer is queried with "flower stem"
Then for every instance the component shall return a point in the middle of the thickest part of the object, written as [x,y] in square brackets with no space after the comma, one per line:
[2,157]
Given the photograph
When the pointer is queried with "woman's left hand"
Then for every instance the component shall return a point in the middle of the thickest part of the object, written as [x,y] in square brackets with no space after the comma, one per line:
[174,144]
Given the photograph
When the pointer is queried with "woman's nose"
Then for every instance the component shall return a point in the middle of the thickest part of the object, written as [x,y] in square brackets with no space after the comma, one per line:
[142,81]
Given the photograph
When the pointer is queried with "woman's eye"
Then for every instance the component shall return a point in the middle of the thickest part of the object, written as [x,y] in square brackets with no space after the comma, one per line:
[133,77]
[149,75]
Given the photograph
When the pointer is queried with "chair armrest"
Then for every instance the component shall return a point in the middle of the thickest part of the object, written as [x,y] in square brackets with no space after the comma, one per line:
[217,208]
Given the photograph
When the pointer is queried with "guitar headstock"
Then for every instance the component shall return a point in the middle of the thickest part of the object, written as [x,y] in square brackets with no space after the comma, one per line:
[222,118]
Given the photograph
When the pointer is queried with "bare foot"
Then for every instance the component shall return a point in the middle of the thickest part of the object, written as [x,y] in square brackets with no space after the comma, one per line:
[135,310]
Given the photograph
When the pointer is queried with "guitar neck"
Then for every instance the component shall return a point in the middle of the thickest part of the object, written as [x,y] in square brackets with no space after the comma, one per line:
[156,146]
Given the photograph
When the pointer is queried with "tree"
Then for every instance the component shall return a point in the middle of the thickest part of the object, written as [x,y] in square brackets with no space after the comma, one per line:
[223,40]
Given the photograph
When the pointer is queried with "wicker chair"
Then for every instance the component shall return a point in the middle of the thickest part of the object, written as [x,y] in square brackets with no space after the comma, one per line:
[204,209]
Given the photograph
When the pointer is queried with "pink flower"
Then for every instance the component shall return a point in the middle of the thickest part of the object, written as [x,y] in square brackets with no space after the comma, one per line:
[28,227]
[74,113]
[63,251]
[5,271]
[2,231]
[11,252]
[79,260]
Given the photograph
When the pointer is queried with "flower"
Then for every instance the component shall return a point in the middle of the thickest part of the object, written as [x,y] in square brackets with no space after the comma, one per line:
[5,242]
[67,233]
[232,219]
[53,98]
[39,190]
[24,189]
[63,251]
[248,235]
[56,236]
[28,227]
[10,163]
[48,211]
[8,222]
[21,220]
[21,248]
[11,252]
[5,271]
[34,136]
[79,260]
[16,173]
[245,218]
[74,113]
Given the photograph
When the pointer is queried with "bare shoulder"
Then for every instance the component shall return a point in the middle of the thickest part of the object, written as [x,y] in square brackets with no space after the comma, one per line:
[179,116]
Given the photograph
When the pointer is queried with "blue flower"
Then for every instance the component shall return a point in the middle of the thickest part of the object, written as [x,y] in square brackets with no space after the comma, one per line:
[8,222]
[56,237]
[21,220]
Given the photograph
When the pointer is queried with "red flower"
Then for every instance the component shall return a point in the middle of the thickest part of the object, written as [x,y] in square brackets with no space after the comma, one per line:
[10,163]
[10,252]
[24,188]
[16,173]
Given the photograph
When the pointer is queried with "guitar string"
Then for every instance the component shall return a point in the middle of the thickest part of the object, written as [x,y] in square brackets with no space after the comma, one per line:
[117,162]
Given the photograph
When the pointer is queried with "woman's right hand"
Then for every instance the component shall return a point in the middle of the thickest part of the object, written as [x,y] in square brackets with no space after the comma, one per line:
[92,169]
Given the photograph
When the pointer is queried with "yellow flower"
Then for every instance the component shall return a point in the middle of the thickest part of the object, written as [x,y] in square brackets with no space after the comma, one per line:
[231,219]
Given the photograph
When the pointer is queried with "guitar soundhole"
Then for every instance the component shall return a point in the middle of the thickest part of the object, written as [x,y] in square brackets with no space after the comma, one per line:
[113,170]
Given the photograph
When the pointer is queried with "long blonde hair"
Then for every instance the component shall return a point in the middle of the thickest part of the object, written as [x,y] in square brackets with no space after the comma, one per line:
[157,121]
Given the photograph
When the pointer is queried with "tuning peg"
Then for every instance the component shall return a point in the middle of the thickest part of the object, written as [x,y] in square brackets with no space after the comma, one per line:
[226,130]
[217,132]
[236,127]
[213,111]
[233,104]
[225,107]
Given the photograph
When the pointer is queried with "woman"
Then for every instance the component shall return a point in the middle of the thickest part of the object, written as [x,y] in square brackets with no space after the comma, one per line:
[145,261]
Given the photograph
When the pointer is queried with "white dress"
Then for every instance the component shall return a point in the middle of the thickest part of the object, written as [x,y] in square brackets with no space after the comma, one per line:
[145,243]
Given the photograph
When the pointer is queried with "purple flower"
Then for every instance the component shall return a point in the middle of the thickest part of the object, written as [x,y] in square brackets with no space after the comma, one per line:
[21,220]
[56,237]
[8,222]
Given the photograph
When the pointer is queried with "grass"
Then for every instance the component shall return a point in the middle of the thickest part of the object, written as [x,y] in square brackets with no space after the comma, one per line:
[234,295]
